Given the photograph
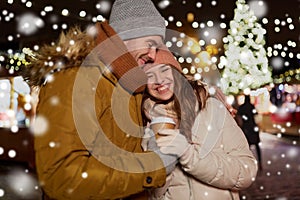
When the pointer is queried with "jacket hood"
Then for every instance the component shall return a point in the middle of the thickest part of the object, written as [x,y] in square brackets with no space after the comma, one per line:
[69,51]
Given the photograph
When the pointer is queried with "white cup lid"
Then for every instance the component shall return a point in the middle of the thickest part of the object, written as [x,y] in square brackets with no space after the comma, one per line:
[157,120]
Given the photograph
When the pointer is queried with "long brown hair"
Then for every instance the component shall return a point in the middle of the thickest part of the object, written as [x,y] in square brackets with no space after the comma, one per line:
[189,99]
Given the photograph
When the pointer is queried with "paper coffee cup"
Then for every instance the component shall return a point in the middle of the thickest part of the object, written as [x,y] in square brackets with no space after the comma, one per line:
[160,123]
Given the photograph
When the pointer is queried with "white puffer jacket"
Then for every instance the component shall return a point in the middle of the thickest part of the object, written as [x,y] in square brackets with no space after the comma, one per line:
[217,166]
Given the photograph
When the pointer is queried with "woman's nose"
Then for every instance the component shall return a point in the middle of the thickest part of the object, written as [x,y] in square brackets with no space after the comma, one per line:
[159,78]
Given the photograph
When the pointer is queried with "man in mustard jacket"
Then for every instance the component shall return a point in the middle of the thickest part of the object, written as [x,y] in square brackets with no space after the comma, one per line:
[88,124]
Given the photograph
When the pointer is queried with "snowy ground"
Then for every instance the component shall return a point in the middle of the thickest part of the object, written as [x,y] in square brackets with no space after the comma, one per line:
[280,177]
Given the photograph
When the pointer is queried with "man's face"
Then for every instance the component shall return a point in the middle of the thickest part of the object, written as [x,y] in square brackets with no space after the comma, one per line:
[144,49]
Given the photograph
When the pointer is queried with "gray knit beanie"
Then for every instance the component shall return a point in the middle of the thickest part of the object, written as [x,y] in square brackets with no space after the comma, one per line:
[136,18]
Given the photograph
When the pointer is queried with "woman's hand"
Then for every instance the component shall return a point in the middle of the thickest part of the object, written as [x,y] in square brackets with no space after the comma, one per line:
[171,141]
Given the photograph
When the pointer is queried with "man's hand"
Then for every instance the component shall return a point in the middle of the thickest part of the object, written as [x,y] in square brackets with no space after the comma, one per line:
[218,94]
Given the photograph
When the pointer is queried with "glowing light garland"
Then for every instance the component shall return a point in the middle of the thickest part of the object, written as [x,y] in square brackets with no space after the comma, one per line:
[13,62]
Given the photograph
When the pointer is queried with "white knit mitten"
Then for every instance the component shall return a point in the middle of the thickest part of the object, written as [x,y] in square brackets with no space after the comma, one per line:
[171,141]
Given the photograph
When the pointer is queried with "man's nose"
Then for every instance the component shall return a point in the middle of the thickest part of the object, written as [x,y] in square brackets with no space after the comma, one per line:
[152,53]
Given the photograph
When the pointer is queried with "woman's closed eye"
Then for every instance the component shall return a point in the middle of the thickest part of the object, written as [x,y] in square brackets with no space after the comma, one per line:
[150,76]
[165,68]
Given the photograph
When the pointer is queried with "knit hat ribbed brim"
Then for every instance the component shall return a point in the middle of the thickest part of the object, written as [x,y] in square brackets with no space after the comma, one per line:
[164,56]
[136,18]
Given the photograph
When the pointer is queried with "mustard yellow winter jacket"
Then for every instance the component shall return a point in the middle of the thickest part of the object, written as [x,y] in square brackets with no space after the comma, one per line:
[88,138]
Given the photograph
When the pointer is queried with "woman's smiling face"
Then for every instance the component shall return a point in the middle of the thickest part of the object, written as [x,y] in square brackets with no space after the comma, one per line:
[160,82]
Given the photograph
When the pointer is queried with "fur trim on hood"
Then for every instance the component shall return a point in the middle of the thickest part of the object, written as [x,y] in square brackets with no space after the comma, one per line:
[70,50]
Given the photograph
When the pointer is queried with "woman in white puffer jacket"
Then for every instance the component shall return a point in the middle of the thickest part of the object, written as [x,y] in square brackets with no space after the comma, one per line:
[215,161]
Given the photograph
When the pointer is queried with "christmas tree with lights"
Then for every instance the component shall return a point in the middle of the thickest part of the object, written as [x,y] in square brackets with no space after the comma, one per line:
[245,64]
